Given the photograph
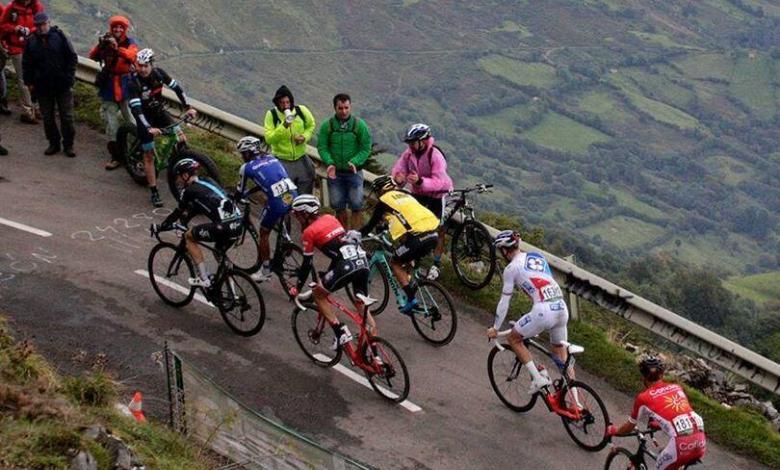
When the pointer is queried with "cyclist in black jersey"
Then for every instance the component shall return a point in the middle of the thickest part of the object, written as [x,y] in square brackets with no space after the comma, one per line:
[148,107]
[203,196]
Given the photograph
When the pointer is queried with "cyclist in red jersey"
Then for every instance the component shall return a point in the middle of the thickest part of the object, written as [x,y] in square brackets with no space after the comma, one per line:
[666,404]
[348,260]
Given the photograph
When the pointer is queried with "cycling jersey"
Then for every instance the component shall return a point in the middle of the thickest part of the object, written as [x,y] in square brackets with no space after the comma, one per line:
[667,404]
[145,95]
[270,176]
[403,214]
[325,234]
[348,260]
[205,197]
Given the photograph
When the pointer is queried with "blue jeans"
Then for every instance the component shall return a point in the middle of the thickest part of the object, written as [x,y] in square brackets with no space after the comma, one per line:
[347,187]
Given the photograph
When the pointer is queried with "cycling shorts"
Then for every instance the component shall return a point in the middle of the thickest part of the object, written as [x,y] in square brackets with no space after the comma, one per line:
[272,214]
[433,204]
[415,246]
[545,316]
[682,450]
[342,272]
[223,234]
[159,120]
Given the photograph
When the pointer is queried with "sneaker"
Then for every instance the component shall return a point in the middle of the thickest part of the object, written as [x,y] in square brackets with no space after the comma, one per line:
[409,307]
[69,152]
[433,273]
[155,198]
[198,282]
[538,385]
[262,275]
[344,338]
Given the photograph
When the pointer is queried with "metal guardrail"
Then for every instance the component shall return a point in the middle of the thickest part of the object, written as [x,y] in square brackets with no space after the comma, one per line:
[680,331]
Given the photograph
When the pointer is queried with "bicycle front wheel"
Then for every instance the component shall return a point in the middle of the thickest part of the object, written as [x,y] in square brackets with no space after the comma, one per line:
[289,266]
[392,380]
[315,336]
[240,303]
[510,381]
[435,318]
[590,430]
[378,288]
[131,154]
[245,253]
[169,273]
[620,459]
[473,254]
[207,169]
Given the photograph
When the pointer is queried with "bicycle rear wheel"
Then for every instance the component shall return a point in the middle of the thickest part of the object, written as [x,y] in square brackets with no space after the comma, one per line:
[473,254]
[291,257]
[131,154]
[435,318]
[378,288]
[590,431]
[510,381]
[245,253]
[620,459]
[207,169]
[169,273]
[240,303]
[315,336]
[392,382]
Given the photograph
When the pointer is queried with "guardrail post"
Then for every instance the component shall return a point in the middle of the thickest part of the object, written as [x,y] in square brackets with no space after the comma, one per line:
[573,300]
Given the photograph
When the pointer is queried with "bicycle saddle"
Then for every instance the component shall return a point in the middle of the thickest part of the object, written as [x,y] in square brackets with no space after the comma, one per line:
[573,348]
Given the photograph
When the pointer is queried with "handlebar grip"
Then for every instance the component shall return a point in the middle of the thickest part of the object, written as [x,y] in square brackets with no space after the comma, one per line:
[302,296]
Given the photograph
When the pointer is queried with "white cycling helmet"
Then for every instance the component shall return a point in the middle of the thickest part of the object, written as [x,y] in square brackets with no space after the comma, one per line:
[417,132]
[249,144]
[307,203]
[145,56]
[506,239]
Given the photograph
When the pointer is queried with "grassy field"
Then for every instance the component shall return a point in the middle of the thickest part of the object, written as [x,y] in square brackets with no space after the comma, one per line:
[659,111]
[706,66]
[521,73]
[512,27]
[754,81]
[626,199]
[660,39]
[758,287]
[660,86]
[502,121]
[625,232]
[562,133]
[730,170]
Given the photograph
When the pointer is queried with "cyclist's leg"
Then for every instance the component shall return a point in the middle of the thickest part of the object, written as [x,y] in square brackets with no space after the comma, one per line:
[436,205]
[269,217]
[681,451]
[359,280]
[147,146]
[204,233]
[529,325]
[559,332]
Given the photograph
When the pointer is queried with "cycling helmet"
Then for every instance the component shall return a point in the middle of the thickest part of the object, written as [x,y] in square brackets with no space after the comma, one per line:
[651,367]
[145,56]
[249,144]
[307,203]
[382,184]
[506,239]
[417,132]
[185,165]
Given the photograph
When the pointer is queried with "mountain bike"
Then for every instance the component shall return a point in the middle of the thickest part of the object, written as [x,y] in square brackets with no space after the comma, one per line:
[376,357]
[622,458]
[170,148]
[472,252]
[232,291]
[435,318]
[582,411]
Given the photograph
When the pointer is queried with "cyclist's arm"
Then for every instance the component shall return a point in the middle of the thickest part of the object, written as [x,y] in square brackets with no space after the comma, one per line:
[507,289]
[307,246]
[136,106]
[376,217]
[364,143]
[242,181]
[174,85]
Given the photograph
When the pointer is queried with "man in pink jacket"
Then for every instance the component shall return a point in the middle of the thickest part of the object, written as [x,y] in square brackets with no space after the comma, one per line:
[422,169]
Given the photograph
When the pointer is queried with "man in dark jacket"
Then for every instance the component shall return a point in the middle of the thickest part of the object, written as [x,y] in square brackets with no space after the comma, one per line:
[49,65]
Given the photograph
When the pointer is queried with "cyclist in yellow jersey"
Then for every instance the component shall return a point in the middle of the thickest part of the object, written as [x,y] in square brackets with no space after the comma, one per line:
[412,230]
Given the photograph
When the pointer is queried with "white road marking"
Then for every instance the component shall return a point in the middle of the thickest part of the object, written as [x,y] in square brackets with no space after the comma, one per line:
[26,228]
[184,290]
[363,381]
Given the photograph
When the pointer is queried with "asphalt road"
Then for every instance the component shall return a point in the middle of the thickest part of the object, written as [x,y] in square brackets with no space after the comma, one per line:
[76,296]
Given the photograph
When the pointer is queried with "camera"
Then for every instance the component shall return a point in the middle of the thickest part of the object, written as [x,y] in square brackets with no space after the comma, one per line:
[104,40]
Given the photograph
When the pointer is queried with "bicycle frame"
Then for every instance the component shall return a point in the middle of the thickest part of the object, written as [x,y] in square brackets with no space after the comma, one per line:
[224,263]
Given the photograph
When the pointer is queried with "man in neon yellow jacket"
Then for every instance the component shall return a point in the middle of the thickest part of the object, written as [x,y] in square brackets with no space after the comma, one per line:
[287,129]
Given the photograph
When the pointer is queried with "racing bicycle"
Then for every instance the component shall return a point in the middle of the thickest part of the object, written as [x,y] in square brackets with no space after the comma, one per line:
[232,291]
[376,357]
[622,458]
[170,148]
[435,318]
[581,410]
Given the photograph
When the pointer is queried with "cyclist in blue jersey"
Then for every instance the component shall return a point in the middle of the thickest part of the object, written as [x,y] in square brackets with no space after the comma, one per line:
[270,177]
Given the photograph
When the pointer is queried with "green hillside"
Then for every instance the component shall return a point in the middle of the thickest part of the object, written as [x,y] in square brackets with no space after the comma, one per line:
[758,287]
[637,126]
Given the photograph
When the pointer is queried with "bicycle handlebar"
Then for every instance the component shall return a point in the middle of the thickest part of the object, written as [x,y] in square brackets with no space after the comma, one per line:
[302,296]
[479,188]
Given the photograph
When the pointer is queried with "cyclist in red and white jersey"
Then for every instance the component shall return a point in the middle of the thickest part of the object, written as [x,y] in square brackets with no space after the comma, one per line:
[531,273]
[666,405]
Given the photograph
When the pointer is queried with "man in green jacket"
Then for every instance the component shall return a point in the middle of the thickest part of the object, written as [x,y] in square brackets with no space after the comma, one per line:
[344,144]
[287,129]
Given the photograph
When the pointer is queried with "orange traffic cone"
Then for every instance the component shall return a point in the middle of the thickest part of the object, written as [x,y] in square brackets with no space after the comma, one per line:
[135,407]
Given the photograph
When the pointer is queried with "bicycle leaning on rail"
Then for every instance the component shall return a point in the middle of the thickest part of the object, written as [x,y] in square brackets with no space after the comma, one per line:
[376,357]
[471,250]
[435,318]
[582,411]
[622,458]
[232,291]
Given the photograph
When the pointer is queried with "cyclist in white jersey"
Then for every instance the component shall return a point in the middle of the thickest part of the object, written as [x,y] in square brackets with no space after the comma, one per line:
[531,273]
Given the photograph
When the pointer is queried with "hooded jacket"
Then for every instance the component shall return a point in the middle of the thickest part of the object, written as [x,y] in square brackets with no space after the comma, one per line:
[49,62]
[280,138]
[430,165]
[18,14]
[119,62]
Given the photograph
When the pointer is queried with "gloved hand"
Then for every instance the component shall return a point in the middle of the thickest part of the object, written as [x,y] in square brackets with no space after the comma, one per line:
[353,237]
[293,291]
[611,430]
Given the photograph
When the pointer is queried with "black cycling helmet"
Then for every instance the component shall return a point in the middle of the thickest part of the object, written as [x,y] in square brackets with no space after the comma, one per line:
[417,132]
[382,184]
[651,367]
[185,165]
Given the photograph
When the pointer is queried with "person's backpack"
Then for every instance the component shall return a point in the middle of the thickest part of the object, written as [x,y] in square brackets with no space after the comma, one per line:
[298,113]
[333,129]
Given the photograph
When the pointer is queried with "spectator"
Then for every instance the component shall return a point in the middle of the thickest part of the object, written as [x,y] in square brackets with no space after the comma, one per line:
[287,129]
[16,26]
[344,144]
[49,65]
[423,168]
[116,51]
[3,84]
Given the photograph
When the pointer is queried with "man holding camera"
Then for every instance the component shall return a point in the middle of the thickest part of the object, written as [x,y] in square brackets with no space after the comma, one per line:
[287,129]
[16,26]
[116,51]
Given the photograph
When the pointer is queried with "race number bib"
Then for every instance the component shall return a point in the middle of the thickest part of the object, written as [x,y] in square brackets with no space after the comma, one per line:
[551,292]
[283,186]
[351,252]
[683,424]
